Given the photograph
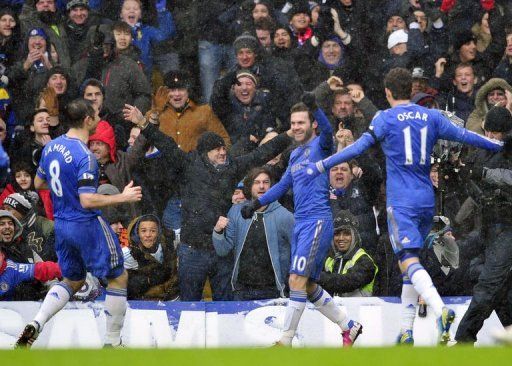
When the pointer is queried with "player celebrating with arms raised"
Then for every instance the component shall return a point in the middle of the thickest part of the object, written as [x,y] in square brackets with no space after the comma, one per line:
[407,134]
[83,240]
[313,230]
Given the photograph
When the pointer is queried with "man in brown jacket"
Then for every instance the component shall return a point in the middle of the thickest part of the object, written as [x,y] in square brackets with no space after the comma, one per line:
[180,117]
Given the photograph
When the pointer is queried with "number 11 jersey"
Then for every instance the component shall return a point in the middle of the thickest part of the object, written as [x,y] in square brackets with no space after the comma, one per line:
[69,168]
[407,134]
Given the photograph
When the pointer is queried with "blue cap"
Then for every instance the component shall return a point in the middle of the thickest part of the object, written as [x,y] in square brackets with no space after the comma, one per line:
[37,32]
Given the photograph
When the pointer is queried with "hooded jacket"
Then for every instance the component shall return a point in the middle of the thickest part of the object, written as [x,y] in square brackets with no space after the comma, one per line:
[151,276]
[476,118]
[349,274]
[119,169]
[278,231]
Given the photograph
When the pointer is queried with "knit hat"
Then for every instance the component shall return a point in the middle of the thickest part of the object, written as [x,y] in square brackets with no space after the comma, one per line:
[246,40]
[37,32]
[498,119]
[58,70]
[462,38]
[70,5]
[19,203]
[397,37]
[209,141]
[247,74]
[344,219]
[176,80]
[105,133]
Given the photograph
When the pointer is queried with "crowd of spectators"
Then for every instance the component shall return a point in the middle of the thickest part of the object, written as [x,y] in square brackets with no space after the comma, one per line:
[217,80]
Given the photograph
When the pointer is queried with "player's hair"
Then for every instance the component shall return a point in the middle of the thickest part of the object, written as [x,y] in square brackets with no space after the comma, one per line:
[251,176]
[301,107]
[76,111]
[399,82]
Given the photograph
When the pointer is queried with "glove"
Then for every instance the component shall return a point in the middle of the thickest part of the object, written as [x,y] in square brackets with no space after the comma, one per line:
[309,100]
[161,5]
[50,99]
[98,38]
[248,210]
[160,99]
[46,271]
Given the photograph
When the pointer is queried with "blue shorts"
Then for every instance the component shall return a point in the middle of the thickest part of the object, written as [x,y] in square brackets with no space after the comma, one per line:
[311,241]
[91,245]
[408,227]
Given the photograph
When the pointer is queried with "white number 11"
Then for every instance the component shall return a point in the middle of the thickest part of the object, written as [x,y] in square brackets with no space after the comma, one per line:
[408,145]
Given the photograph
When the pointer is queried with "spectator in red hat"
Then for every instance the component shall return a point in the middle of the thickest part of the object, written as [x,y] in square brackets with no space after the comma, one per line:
[115,166]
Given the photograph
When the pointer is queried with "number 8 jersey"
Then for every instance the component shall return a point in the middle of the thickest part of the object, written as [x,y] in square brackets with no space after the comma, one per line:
[70,169]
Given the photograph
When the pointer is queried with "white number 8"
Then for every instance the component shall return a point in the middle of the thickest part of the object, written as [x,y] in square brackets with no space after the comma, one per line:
[54,178]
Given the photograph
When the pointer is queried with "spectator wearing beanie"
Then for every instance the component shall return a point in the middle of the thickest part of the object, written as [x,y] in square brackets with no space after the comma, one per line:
[45,15]
[38,231]
[16,249]
[79,18]
[115,166]
[245,112]
[491,94]
[278,78]
[207,178]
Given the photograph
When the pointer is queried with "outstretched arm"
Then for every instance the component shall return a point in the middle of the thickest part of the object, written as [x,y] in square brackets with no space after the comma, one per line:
[450,131]
[348,153]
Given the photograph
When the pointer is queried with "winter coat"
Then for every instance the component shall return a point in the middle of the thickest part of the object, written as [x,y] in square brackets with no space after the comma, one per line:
[349,274]
[476,118]
[186,127]
[206,190]
[278,231]
[242,121]
[56,32]
[124,81]
[282,83]
[151,276]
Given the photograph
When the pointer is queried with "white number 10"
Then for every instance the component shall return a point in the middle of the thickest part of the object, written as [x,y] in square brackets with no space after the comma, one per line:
[408,145]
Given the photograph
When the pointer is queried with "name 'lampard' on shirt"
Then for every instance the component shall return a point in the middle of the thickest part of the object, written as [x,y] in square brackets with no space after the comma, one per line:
[412,115]
[66,154]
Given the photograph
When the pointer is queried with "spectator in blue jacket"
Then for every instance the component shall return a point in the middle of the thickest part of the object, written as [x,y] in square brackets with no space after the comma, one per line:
[261,244]
[145,35]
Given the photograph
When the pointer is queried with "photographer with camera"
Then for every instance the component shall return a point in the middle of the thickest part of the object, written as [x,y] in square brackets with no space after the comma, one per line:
[492,173]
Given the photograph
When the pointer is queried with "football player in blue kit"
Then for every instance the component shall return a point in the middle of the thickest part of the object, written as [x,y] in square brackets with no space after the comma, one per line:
[84,241]
[313,229]
[407,134]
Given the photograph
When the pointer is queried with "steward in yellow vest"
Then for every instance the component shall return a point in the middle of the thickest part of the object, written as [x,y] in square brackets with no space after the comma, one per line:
[350,272]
